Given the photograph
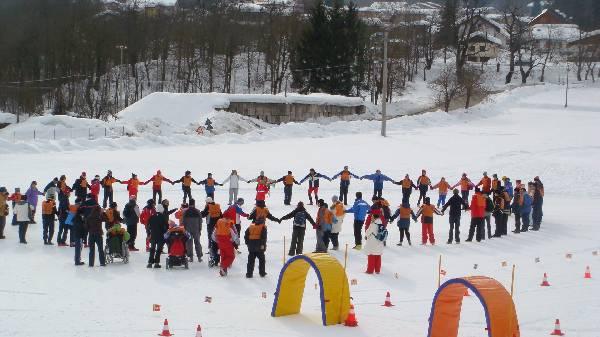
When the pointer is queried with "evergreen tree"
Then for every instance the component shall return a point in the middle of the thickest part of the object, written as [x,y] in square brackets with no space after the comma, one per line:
[330,50]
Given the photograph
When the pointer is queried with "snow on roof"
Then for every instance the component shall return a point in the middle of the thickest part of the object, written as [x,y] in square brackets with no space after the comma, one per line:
[187,108]
[250,7]
[560,32]
[486,36]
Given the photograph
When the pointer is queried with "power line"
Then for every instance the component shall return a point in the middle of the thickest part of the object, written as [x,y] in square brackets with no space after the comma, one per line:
[46,79]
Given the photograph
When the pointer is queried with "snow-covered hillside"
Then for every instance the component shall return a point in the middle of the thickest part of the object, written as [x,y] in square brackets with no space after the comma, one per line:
[520,133]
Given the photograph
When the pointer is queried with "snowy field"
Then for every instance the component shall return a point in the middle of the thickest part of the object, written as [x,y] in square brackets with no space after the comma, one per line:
[520,134]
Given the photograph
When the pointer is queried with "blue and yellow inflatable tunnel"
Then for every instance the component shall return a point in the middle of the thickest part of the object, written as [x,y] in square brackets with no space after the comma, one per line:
[333,284]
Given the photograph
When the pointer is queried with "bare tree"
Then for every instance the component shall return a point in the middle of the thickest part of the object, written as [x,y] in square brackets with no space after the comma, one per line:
[446,87]
[473,83]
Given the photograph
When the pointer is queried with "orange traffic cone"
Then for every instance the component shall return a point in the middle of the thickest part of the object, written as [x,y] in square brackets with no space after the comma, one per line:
[557,331]
[545,281]
[588,272]
[199,331]
[388,300]
[466,292]
[165,330]
[351,319]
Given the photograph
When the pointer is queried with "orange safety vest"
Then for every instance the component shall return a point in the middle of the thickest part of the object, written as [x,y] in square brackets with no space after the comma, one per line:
[464,184]
[261,212]
[223,227]
[406,183]
[424,180]
[157,181]
[214,210]
[443,186]
[255,231]
[133,184]
[108,181]
[289,179]
[73,208]
[405,212]
[345,175]
[485,182]
[262,180]
[187,181]
[48,207]
[327,217]
[495,184]
[338,207]
[427,210]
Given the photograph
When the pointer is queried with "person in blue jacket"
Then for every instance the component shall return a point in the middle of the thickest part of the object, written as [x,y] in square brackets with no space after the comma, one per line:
[313,183]
[345,176]
[360,210]
[209,185]
[508,186]
[378,179]
[526,210]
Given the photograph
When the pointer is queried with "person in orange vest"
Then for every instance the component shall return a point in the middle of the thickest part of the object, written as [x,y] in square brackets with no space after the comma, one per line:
[496,183]
[288,182]
[407,187]
[338,211]
[323,225]
[157,181]
[49,213]
[345,176]
[112,216]
[213,212]
[255,238]
[186,185]
[485,183]
[261,212]
[443,188]
[15,198]
[3,210]
[405,213]
[107,183]
[209,185]
[133,185]
[423,183]
[426,212]
[225,236]
[262,179]
[465,186]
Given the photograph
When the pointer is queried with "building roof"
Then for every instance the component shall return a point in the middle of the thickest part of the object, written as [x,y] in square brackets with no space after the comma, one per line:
[558,32]
[480,36]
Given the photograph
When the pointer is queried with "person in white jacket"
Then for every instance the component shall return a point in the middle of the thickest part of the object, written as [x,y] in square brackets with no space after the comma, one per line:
[234,185]
[373,246]
[24,215]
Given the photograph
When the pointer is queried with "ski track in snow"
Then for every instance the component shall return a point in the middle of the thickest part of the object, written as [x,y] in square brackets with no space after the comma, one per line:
[522,133]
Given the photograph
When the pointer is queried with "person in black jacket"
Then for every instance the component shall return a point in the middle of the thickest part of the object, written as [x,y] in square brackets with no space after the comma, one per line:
[80,186]
[94,227]
[77,232]
[158,226]
[300,216]
[456,204]
[255,238]
[131,212]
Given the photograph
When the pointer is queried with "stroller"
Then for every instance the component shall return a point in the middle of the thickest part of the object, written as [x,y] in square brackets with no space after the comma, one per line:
[116,248]
[177,251]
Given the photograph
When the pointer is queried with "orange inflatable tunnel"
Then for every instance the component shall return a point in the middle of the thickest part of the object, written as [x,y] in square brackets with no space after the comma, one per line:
[499,308]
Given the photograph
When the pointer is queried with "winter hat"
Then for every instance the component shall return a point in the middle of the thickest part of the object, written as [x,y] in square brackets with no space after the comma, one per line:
[485,173]
[334,198]
[158,172]
[109,172]
[96,177]
[113,204]
[160,208]
[240,201]
[150,202]
[83,174]
[3,189]
[17,189]
[262,173]
[188,173]
[209,199]
[345,167]
[455,191]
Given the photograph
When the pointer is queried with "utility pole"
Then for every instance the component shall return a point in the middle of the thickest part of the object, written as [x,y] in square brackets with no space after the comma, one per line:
[122,48]
[384,80]
[567,89]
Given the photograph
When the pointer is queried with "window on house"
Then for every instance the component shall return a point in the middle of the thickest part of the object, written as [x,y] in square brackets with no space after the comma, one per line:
[471,48]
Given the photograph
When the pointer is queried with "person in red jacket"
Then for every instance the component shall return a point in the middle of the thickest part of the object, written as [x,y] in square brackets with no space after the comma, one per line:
[261,192]
[477,208]
[95,187]
[157,181]
[485,183]
[226,237]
